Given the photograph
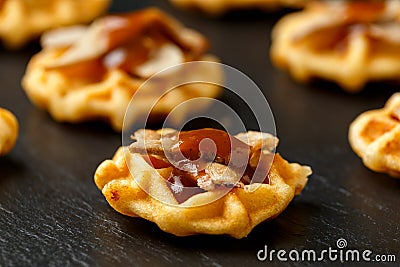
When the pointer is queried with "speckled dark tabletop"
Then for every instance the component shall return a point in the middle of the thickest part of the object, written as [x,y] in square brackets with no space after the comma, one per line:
[52,214]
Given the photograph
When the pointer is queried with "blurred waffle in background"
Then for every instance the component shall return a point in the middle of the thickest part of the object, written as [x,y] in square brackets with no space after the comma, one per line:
[347,42]
[23,20]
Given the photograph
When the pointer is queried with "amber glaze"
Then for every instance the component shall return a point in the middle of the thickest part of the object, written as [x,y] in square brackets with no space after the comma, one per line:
[189,146]
[137,37]
[189,143]
[156,162]
[364,11]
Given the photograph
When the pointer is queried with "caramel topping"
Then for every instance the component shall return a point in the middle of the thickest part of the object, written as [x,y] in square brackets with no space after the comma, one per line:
[156,162]
[187,179]
[364,11]
[371,19]
[139,24]
[128,41]
[336,38]
[134,53]
[89,70]
[220,153]
[227,145]
[229,151]
[206,159]
[1,3]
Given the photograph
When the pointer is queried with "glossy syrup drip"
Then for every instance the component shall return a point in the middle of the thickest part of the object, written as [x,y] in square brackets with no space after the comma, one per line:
[364,11]
[134,38]
[134,53]
[189,144]
[156,162]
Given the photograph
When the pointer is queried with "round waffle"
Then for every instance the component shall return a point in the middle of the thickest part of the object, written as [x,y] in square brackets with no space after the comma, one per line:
[349,43]
[375,137]
[134,187]
[86,73]
[8,131]
[22,20]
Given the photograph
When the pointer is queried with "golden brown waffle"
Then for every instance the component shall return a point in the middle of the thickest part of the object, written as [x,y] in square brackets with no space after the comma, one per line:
[22,20]
[8,131]
[141,190]
[61,79]
[349,43]
[218,7]
[375,137]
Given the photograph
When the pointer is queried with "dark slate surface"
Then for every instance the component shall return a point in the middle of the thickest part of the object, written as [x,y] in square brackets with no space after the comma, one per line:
[51,213]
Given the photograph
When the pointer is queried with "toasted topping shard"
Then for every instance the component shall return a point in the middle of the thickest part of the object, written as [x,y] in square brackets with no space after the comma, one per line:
[218,174]
[168,55]
[63,37]
[259,140]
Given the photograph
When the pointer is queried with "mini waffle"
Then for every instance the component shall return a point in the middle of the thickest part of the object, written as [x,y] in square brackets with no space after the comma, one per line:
[88,73]
[375,137]
[8,131]
[22,20]
[134,187]
[348,42]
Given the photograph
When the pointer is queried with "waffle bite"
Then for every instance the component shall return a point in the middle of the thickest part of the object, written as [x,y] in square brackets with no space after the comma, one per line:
[348,42]
[218,7]
[22,20]
[175,180]
[8,131]
[86,73]
[375,137]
